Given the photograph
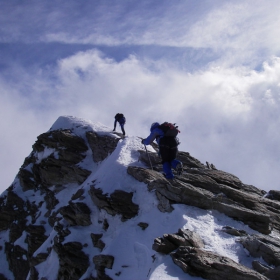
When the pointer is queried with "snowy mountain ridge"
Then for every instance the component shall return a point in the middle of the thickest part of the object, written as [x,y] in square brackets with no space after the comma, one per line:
[85,205]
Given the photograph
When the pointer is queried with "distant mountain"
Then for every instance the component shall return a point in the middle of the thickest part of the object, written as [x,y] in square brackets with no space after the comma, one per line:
[87,204]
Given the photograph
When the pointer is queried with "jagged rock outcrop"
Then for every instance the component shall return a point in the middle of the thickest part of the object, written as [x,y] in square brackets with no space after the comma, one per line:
[263,246]
[119,202]
[233,231]
[273,274]
[101,262]
[212,189]
[170,242]
[101,145]
[200,263]
[60,167]
[76,214]
[73,262]
[274,195]
[12,209]
[209,188]
[97,242]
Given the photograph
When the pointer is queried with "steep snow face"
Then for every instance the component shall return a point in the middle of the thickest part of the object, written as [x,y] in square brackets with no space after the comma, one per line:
[130,245]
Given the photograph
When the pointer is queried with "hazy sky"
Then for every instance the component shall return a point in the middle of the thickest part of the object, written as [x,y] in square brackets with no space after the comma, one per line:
[211,66]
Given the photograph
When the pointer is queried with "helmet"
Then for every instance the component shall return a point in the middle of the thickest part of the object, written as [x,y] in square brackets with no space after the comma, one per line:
[154,125]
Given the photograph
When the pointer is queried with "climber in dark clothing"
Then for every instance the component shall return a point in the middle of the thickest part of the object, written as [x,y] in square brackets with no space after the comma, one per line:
[167,149]
[121,120]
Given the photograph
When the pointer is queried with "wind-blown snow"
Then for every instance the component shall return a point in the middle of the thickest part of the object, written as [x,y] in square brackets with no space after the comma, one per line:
[126,241]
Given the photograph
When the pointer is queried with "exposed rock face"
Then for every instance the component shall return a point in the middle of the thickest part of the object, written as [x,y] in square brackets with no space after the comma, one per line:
[119,202]
[170,242]
[101,145]
[76,214]
[274,195]
[234,231]
[208,265]
[97,242]
[273,274]
[101,262]
[12,209]
[60,167]
[208,188]
[213,189]
[263,246]
[72,260]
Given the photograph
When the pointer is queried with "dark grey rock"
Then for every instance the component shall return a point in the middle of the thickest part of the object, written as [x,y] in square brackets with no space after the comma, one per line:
[101,145]
[60,138]
[189,161]
[170,242]
[149,158]
[143,225]
[73,262]
[56,169]
[50,199]
[76,214]
[259,267]
[35,238]
[12,208]
[78,194]
[263,246]
[273,274]
[119,202]
[41,257]
[212,189]
[96,240]
[101,262]
[233,231]
[163,245]
[273,195]
[200,263]
[17,258]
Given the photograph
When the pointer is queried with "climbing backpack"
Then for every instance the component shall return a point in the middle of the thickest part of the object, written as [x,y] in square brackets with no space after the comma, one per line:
[169,129]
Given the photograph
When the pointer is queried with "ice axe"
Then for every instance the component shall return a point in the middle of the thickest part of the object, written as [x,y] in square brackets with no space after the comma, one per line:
[148,156]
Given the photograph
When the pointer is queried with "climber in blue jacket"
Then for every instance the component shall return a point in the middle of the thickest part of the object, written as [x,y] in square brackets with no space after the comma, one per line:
[168,149]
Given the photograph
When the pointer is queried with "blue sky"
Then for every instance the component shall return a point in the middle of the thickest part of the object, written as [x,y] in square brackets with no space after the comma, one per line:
[213,67]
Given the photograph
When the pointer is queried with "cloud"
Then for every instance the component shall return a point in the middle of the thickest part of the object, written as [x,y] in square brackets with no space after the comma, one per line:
[211,67]
[228,116]
[233,26]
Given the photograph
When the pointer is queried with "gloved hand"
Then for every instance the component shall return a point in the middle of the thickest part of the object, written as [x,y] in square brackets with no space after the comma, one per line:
[142,141]
[113,129]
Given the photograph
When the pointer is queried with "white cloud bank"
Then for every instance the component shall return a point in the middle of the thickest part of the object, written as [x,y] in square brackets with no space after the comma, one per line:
[211,66]
[227,116]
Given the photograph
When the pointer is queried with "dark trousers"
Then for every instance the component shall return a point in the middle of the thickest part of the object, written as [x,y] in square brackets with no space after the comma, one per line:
[168,151]
[122,128]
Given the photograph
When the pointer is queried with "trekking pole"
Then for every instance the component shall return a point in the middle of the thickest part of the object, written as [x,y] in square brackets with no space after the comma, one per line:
[148,156]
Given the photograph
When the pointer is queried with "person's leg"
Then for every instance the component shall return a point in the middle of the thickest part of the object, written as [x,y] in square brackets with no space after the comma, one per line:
[174,163]
[167,170]
[169,146]
[177,165]
[122,128]
[165,156]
